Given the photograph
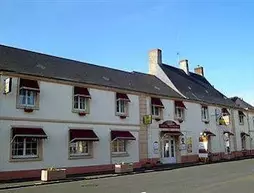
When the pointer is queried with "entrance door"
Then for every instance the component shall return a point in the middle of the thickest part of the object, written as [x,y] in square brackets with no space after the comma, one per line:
[168,150]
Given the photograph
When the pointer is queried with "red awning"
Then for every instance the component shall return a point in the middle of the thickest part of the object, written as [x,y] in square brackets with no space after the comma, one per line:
[229,132]
[82,92]
[156,102]
[241,113]
[204,106]
[180,104]
[29,84]
[28,132]
[122,96]
[244,134]
[225,111]
[83,135]
[173,133]
[209,133]
[122,135]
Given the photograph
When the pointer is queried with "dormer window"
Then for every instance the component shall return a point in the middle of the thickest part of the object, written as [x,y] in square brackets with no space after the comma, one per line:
[179,110]
[122,103]
[241,116]
[81,98]
[156,108]
[28,93]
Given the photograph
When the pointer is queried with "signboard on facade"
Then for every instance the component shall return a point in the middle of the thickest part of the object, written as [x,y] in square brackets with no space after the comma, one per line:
[170,125]
[156,147]
[147,119]
[189,144]
[224,120]
[7,85]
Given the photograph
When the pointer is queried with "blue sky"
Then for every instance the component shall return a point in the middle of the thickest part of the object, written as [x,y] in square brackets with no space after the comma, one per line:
[217,35]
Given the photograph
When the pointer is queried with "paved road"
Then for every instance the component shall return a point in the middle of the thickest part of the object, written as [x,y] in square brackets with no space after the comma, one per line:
[233,177]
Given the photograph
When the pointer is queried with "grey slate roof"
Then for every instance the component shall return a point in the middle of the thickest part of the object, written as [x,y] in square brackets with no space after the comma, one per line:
[37,64]
[241,103]
[195,87]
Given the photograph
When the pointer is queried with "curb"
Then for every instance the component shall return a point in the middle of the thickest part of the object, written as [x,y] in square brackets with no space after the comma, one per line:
[157,169]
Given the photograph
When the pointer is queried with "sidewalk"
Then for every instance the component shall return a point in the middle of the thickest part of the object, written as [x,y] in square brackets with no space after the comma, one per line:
[23,184]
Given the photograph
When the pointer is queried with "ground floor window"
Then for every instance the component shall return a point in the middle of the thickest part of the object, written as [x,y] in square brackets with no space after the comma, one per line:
[25,148]
[227,142]
[119,146]
[80,148]
[243,141]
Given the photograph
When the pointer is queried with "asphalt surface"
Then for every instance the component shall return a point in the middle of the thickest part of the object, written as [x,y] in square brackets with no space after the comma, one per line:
[233,177]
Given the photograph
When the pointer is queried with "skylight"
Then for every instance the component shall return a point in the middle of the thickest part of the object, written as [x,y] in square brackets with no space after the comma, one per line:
[105,78]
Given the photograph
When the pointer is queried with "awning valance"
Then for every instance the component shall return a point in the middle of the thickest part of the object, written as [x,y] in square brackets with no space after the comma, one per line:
[172,133]
[29,85]
[241,113]
[244,134]
[180,104]
[157,102]
[122,96]
[224,111]
[122,135]
[82,135]
[81,91]
[28,132]
[209,133]
[228,132]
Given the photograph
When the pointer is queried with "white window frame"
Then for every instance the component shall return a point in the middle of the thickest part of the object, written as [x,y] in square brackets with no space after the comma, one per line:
[159,111]
[181,115]
[121,107]
[117,142]
[24,156]
[80,154]
[241,119]
[79,97]
[204,113]
[26,98]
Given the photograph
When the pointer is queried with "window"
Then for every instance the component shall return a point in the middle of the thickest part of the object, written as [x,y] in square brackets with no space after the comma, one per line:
[80,148]
[121,106]
[243,141]
[179,112]
[241,119]
[204,113]
[27,97]
[156,111]
[227,143]
[119,146]
[25,148]
[80,103]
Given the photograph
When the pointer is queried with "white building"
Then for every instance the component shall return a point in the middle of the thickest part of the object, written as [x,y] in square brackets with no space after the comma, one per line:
[61,113]
[208,120]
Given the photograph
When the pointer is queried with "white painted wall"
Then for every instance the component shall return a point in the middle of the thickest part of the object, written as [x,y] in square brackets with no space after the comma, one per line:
[56,103]
[55,148]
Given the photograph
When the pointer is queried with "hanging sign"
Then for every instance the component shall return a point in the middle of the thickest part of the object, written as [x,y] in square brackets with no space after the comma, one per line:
[7,85]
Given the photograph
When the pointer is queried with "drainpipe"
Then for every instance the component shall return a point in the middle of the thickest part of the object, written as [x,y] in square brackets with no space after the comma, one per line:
[248,121]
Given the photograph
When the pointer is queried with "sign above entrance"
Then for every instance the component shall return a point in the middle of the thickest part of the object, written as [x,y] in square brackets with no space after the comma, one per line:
[169,125]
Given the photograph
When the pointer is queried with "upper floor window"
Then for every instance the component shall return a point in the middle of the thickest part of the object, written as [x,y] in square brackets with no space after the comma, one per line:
[204,113]
[156,107]
[81,99]
[241,116]
[28,93]
[179,110]
[122,101]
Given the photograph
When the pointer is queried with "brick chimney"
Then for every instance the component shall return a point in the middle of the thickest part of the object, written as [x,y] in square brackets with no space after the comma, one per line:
[184,66]
[155,59]
[199,70]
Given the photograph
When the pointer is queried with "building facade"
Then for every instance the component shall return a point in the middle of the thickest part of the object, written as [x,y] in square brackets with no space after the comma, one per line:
[61,113]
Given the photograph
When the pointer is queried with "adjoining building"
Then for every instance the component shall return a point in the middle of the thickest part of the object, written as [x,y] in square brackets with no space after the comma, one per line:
[207,119]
